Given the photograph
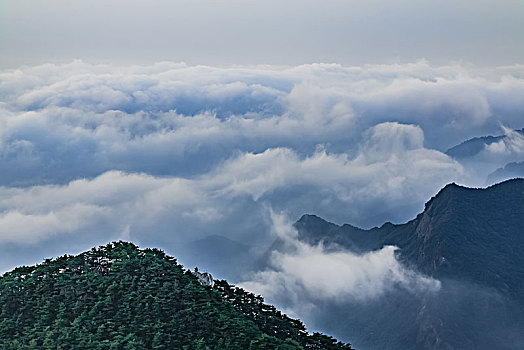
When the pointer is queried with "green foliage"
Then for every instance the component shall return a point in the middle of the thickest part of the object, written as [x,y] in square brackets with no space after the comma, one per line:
[121,297]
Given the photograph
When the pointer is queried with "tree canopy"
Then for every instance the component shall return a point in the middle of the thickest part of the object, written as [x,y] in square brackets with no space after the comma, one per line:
[121,297]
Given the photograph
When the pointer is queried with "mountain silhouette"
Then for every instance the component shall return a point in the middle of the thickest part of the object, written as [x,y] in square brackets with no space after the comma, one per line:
[469,239]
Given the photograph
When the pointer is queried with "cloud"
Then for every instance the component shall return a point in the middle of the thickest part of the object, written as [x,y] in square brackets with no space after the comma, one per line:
[169,113]
[18,226]
[111,203]
[115,199]
[511,145]
[391,138]
[62,122]
[306,273]
[230,199]
[489,155]
[392,168]
[170,152]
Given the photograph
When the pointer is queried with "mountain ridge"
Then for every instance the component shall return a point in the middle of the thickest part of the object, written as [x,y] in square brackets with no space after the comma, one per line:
[121,297]
[468,239]
[450,200]
[474,145]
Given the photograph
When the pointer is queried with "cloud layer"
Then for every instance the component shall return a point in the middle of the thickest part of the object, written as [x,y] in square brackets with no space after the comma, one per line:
[62,122]
[308,274]
[171,152]
[116,200]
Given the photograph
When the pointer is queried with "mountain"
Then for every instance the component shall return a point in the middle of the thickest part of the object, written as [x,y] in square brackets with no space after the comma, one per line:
[473,146]
[510,170]
[461,232]
[471,240]
[492,159]
[121,297]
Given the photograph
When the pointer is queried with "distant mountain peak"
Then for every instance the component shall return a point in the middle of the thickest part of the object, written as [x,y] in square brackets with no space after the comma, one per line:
[475,145]
[310,218]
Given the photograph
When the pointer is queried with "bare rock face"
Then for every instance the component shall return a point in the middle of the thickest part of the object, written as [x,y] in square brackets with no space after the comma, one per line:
[204,278]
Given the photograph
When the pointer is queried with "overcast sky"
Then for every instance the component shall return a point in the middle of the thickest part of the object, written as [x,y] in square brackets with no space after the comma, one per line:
[291,32]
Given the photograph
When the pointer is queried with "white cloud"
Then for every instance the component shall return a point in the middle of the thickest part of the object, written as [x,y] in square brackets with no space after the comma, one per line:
[264,106]
[20,226]
[391,167]
[491,156]
[111,203]
[511,145]
[389,139]
[141,204]
[304,273]
[197,150]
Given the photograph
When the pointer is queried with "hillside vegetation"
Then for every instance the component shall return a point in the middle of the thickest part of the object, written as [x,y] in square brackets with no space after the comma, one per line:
[121,297]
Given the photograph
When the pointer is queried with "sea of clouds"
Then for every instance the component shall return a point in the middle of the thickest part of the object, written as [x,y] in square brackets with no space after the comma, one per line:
[170,153]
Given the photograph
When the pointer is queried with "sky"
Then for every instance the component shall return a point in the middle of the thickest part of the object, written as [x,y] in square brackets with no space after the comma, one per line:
[169,122]
[291,32]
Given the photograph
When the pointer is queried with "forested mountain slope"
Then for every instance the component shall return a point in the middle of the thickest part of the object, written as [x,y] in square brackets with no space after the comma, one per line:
[121,297]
